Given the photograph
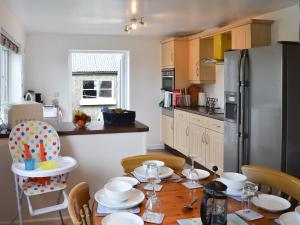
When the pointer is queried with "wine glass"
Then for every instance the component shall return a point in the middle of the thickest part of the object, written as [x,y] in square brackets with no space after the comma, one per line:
[192,174]
[152,176]
[249,191]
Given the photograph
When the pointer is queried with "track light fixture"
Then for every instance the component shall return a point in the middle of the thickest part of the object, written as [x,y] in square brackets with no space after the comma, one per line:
[134,24]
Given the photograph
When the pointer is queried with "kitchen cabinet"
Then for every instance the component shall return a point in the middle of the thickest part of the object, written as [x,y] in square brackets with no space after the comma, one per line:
[214,150]
[167,53]
[174,55]
[199,50]
[168,130]
[194,61]
[181,129]
[255,34]
[200,136]
[197,145]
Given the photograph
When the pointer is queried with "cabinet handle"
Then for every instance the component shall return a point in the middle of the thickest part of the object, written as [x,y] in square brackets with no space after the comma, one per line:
[202,138]
[187,131]
[207,139]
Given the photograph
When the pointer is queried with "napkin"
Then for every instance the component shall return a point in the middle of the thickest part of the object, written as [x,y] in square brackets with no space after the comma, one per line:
[149,187]
[249,215]
[151,217]
[192,186]
[139,178]
[103,210]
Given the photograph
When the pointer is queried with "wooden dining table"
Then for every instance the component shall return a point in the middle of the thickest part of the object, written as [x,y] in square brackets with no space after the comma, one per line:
[174,196]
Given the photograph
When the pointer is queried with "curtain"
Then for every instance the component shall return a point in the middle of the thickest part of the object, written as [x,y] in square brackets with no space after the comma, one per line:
[9,44]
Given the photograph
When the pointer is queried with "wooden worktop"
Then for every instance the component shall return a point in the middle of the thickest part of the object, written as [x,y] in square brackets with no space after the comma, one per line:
[95,127]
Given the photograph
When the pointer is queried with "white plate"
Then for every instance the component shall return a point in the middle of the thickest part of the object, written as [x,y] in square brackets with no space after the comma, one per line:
[124,218]
[131,180]
[236,193]
[135,199]
[289,218]
[165,172]
[271,203]
[202,173]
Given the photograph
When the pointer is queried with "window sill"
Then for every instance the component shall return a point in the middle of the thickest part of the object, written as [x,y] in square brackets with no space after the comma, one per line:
[99,101]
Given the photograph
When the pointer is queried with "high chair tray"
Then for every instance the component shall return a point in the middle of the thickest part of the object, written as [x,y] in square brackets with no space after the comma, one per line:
[64,165]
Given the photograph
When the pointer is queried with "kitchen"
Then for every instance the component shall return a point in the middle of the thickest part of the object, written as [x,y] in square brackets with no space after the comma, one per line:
[46,62]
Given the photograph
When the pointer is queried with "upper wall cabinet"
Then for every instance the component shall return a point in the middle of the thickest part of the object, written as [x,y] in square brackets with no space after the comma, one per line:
[167,54]
[194,60]
[174,54]
[200,50]
[255,34]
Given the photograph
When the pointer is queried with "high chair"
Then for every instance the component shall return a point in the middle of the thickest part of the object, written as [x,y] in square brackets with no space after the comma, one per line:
[37,166]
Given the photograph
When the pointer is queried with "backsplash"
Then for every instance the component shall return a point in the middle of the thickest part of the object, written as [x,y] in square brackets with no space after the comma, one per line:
[216,90]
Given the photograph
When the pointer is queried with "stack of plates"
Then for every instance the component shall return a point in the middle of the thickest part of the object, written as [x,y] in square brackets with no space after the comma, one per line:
[125,217]
[271,203]
[164,173]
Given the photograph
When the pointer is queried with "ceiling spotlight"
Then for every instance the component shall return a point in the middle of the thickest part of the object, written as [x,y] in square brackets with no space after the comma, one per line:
[127,28]
[134,23]
[142,21]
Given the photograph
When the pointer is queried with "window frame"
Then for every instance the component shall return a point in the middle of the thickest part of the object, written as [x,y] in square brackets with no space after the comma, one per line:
[99,100]
[4,79]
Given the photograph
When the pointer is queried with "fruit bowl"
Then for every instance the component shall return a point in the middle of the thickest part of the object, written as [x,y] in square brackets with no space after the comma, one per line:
[81,120]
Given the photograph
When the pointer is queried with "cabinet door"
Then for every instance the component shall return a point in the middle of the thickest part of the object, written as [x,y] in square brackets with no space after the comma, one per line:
[196,142]
[181,131]
[167,55]
[214,150]
[167,130]
[241,37]
[194,56]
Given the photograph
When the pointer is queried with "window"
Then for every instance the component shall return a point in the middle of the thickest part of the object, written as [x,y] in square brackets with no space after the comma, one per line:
[4,64]
[98,92]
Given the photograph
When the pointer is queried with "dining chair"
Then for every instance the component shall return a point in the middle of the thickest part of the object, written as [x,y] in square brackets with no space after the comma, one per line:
[78,205]
[174,162]
[274,181]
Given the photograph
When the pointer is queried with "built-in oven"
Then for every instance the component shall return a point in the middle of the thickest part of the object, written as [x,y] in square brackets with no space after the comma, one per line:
[168,79]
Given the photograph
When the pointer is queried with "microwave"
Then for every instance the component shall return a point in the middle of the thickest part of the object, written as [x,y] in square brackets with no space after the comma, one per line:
[168,79]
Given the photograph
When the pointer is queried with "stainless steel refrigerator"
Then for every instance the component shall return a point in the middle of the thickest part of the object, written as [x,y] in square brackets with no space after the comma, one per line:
[262,107]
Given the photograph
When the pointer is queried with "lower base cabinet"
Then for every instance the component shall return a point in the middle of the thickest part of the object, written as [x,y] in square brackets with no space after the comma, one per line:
[200,136]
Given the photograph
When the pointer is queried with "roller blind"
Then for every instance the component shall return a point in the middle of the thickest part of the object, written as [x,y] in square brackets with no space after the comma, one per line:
[5,41]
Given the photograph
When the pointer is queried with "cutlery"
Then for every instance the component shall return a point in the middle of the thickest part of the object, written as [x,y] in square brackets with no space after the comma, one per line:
[190,206]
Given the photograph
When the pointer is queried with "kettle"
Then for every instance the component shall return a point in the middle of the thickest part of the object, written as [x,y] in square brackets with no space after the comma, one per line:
[214,204]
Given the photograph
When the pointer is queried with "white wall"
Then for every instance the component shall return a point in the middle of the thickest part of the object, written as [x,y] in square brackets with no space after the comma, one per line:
[47,71]
[11,24]
[286,25]
[285,28]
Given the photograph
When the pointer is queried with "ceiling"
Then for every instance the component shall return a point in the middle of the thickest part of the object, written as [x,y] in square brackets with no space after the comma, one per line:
[162,17]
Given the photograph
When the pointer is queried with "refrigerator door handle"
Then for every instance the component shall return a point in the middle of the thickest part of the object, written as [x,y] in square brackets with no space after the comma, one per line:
[243,134]
[241,112]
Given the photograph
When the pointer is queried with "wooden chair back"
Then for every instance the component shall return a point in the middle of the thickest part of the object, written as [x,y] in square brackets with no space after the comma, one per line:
[78,202]
[274,180]
[132,162]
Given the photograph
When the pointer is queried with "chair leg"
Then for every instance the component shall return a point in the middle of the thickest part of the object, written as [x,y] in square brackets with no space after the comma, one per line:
[59,212]
[19,203]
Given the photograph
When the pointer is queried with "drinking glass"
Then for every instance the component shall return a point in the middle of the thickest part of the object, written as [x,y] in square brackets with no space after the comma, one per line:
[193,175]
[152,176]
[153,209]
[249,191]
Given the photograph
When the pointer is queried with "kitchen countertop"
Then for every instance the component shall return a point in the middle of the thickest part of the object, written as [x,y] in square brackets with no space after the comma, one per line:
[202,111]
[68,128]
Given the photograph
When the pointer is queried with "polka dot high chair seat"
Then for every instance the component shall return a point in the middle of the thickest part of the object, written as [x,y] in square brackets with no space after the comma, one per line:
[38,142]
[38,169]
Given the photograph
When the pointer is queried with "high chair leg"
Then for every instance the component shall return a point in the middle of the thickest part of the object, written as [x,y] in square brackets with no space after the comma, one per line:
[18,200]
[59,212]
